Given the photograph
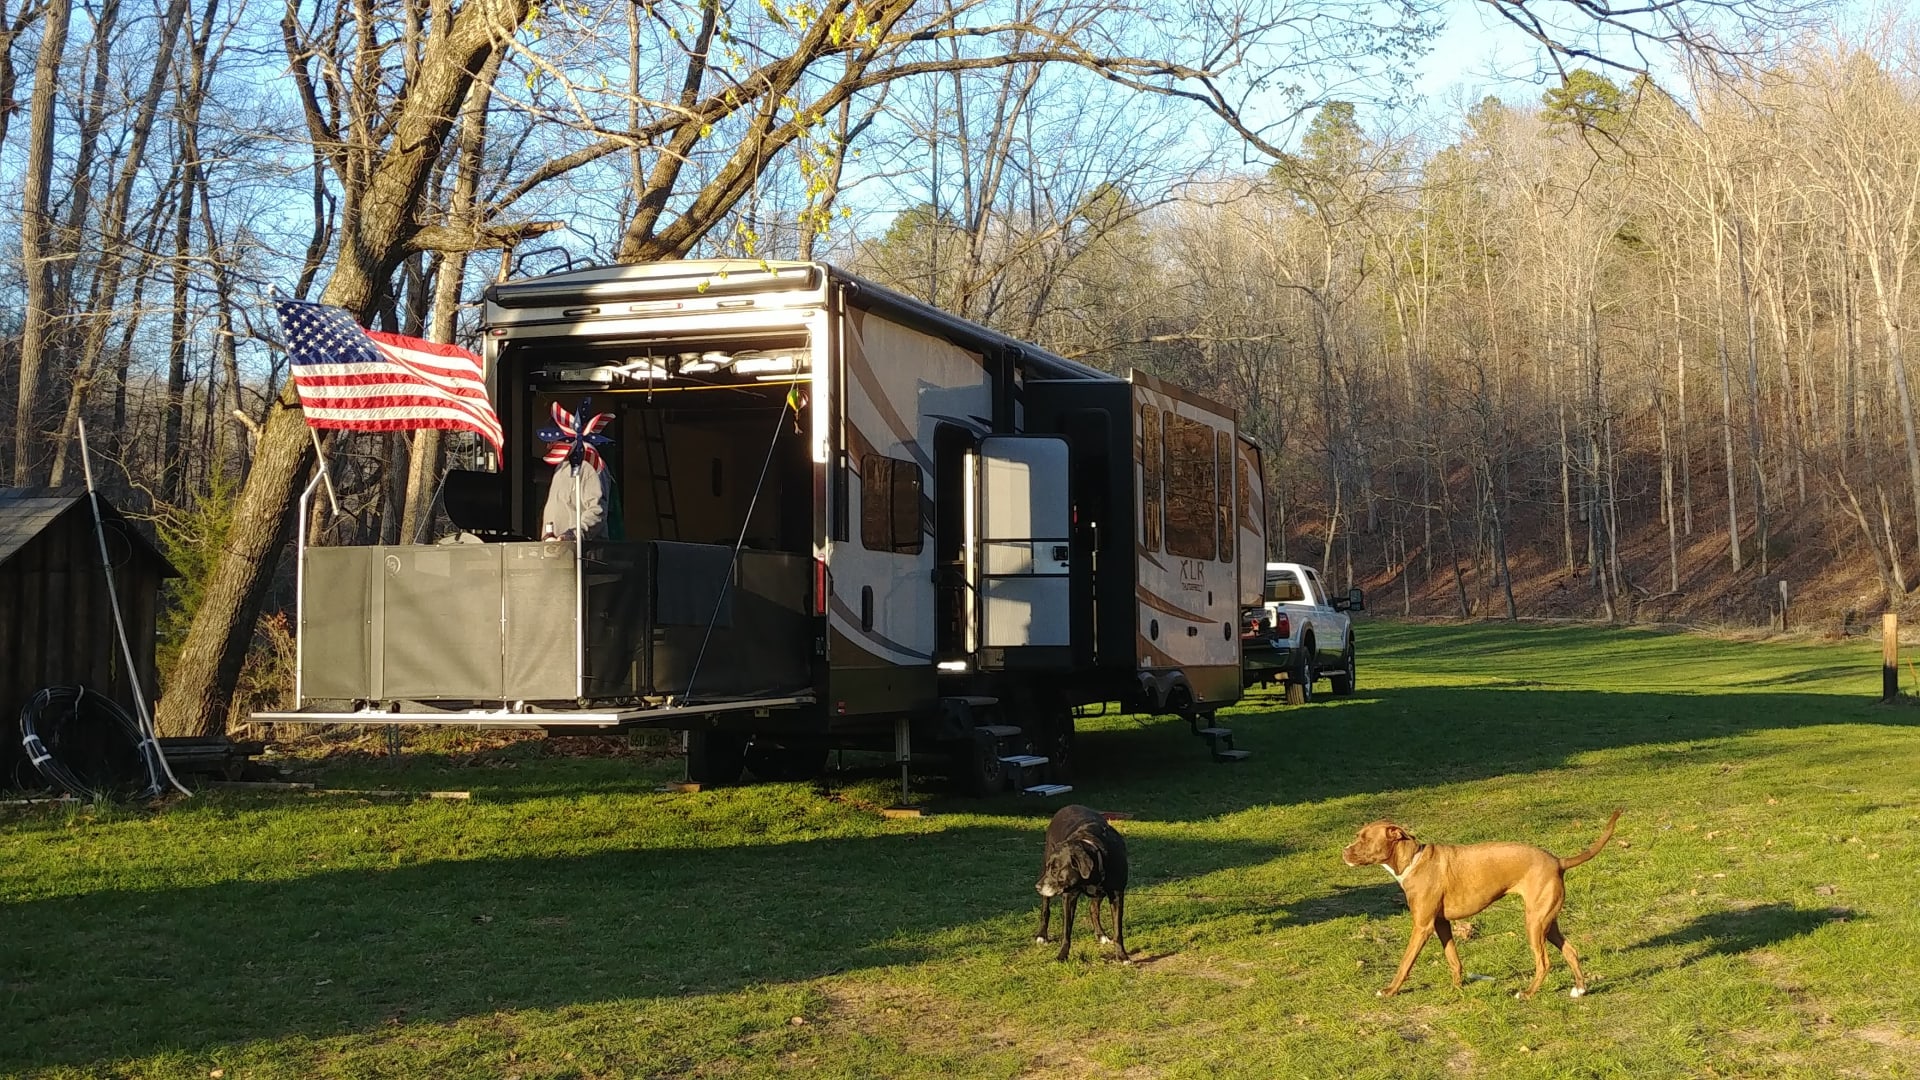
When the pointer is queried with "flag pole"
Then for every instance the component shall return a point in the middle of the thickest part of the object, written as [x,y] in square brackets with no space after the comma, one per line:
[326,474]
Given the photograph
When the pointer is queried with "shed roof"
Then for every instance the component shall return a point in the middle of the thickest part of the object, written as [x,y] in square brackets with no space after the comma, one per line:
[27,512]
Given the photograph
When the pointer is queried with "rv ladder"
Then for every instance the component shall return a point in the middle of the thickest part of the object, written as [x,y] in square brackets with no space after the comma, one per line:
[1020,763]
[653,437]
[1219,740]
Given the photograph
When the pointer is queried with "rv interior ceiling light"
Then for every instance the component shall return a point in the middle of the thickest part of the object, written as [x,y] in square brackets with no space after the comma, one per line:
[770,363]
[601,375]
[698,363]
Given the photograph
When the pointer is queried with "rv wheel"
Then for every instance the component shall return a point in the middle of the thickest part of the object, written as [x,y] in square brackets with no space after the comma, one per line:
[1056,742]
[776,761]
[715,757]
[977,765]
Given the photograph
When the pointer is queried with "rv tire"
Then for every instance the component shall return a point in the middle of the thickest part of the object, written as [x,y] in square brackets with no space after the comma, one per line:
[775,761]
[976,764]
[715,757]
[1055,742]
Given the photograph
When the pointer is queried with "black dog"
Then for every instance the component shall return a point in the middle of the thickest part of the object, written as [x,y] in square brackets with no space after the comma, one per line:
[1084,855]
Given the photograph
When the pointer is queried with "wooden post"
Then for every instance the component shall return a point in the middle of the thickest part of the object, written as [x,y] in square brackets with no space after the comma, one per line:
[1783,605]
[1889,656]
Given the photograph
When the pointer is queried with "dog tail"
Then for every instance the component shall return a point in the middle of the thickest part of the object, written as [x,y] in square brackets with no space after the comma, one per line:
[1575,860]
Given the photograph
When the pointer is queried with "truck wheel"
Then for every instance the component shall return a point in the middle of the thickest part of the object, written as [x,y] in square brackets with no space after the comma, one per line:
[777,761]
[715,757]
[1300,681]
[1342,683]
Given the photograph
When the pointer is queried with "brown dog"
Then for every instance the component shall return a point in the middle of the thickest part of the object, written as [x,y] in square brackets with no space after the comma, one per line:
[1451,881]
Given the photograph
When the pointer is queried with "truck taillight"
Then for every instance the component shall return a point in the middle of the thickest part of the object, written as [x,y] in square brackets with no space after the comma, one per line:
[1283,627]
[819,586]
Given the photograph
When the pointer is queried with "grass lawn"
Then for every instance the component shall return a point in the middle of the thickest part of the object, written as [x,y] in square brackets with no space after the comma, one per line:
[1755,917]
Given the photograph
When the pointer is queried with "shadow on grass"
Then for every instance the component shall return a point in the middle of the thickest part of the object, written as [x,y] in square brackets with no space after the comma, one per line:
[1404,739]
[1743,930]
[1374,901]
[124,974]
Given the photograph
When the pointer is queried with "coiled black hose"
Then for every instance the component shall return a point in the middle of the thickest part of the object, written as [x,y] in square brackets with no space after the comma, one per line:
[87,746]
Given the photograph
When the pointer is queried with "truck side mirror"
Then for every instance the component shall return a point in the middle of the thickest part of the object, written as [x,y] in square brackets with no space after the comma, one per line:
[1356,599]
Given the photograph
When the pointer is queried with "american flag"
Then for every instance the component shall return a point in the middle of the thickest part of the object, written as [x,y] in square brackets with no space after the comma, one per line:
[364,380]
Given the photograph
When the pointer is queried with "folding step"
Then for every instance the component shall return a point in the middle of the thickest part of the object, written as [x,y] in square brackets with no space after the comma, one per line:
[1044,790]
[1232,755]
[998,731]
[1023,761]
[1213,732]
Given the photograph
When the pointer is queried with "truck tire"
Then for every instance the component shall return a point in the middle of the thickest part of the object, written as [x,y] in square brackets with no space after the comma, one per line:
[1300,680]
[1342,682]
[715,757]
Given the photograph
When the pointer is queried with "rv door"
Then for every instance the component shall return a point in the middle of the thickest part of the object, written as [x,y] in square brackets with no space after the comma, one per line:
[1019,530]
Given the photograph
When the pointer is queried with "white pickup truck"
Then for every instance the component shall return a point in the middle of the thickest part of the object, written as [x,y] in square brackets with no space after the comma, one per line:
[1299,634]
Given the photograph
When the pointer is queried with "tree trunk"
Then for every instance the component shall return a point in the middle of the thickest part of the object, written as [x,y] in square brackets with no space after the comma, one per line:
[375,238]
[1666,500]
[1890,579]
[424,466]
[36,260]
[1756,454]
[114,247]
[172,467]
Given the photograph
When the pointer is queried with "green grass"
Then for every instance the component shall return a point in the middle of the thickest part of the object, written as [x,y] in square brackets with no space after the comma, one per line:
[1758,917]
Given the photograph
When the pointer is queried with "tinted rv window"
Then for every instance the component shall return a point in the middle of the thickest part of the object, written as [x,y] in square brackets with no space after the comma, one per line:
[1151,463]
[1223,468]
[1190,488]
[890,505]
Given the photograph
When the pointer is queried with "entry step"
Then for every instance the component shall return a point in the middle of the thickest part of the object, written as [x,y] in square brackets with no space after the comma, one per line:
[1044,790]
[998,731]
[1213,732]
[1023,761]
[1232,755]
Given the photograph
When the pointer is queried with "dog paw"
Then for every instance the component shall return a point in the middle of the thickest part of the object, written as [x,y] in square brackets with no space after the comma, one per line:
[1040,939]
[1105,940]
[1578,991]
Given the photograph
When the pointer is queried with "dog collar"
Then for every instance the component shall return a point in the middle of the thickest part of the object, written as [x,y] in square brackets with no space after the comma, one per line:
[1411,863]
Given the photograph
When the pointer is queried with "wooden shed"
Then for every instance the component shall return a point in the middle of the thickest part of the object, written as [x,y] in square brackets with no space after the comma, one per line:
[56,621]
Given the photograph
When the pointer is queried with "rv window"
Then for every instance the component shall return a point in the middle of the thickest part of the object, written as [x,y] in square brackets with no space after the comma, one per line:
[1151,463]
[1190,489]
[890,505]
[1223,468]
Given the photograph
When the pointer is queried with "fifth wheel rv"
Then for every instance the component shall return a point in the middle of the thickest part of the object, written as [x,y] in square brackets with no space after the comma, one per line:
[824,514]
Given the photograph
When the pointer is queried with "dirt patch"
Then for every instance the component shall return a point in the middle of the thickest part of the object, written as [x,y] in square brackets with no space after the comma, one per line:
[1891,1037]
[927,1024]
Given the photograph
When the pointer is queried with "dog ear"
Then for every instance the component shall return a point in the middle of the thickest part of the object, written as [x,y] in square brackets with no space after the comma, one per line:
[1085,860]
[1395,833]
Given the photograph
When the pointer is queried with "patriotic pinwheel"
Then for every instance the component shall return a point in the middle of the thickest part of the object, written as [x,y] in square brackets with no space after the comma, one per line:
[573,442]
